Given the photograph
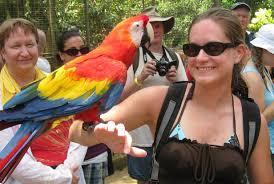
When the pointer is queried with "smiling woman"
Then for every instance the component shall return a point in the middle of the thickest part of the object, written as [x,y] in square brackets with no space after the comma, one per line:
[20,53]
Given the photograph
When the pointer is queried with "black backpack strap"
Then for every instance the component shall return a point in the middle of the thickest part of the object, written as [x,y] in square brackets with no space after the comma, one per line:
[167,116]
[252,125]
[173,56]
[136,61]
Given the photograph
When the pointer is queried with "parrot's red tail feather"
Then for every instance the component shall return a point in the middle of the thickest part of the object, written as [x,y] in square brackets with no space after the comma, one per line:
[9,163]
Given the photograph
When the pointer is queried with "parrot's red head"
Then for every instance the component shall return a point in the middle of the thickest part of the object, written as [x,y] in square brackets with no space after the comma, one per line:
[123,41]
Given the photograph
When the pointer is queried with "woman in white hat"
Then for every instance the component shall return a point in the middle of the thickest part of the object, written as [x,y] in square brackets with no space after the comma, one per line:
[260,85]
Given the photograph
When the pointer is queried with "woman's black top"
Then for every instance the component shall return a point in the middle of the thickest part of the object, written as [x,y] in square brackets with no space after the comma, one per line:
[187,161]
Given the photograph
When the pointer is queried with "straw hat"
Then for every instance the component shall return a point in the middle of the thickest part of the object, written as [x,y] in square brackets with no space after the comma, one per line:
[265,38]
[154,16]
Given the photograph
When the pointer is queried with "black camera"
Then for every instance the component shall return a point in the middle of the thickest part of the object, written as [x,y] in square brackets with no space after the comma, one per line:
[163,66]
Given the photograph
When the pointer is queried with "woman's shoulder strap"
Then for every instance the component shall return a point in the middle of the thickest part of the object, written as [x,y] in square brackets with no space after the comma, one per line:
[167,116]
[169,110]
[252,124]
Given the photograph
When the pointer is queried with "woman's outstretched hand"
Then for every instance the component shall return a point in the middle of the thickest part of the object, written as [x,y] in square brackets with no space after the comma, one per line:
[117,139]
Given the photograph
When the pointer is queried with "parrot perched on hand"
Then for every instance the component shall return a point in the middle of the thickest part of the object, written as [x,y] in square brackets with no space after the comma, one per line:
[86,86]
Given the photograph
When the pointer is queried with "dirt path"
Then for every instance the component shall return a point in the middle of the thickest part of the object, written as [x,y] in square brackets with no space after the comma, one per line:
[120,177]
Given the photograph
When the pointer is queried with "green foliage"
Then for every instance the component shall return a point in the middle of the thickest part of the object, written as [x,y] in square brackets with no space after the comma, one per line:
[184,12]
[100,16]
[68,14]
[262,17]
[104,14]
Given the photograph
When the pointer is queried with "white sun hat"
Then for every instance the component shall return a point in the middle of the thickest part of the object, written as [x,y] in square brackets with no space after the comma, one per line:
[265,38]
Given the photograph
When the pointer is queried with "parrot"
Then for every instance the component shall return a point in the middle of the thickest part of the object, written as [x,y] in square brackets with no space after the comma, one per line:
[85,87]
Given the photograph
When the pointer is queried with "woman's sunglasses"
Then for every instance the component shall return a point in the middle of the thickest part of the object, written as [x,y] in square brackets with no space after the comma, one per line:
[74,51]
[211,48]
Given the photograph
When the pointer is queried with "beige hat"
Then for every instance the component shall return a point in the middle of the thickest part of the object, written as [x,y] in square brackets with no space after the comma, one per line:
[155,17]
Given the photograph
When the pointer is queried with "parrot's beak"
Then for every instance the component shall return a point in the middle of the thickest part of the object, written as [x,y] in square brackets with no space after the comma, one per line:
[148,34]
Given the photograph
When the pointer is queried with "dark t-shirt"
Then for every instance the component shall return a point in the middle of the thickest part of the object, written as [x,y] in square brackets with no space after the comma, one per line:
[249,36]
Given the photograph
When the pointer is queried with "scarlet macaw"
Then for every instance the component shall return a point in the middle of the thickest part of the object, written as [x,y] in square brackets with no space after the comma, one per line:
[87,86]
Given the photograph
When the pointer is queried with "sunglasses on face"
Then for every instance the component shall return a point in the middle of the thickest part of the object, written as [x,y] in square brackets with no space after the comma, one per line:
[74,51]
[211,48]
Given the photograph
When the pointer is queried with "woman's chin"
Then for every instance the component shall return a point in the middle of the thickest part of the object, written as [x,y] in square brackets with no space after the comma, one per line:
[27,67]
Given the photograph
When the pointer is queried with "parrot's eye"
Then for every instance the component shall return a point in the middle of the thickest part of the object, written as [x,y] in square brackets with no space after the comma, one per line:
[137,24]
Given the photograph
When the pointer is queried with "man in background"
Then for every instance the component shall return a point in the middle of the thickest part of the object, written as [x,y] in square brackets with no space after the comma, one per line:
[243,12]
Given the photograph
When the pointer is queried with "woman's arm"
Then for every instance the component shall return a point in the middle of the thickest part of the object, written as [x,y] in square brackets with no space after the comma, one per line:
[269,112]
[259,165]
[142,106]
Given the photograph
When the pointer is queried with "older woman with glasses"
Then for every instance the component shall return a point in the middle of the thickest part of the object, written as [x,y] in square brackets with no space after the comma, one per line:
[207,141]
[51,158]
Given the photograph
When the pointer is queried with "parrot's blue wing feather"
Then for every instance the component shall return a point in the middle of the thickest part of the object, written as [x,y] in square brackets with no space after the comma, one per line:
[25,95]
[113,95]
[38,109]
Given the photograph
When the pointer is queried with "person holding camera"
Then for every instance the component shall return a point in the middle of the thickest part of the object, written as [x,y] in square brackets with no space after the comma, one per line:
[154,65]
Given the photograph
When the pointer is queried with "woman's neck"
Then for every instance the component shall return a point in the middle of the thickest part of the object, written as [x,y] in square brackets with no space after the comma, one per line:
[23,78]
[212,97]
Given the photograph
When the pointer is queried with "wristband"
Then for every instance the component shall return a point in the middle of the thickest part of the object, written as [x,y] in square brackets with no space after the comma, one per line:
[137,82]
[88,126]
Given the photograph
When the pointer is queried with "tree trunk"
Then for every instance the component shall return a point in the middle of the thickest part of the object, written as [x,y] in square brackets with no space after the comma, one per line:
[216,3]
[87,24]
[143,4]
[20,8]
[52,31]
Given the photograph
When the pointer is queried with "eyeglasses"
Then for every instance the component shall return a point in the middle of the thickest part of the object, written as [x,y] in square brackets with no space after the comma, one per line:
[74,51]
[211,48]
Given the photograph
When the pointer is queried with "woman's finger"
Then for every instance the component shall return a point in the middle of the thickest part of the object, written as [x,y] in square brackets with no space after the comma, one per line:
[111,126]
[120,129]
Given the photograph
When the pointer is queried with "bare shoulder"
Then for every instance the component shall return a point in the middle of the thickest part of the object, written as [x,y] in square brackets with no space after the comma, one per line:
[253,79]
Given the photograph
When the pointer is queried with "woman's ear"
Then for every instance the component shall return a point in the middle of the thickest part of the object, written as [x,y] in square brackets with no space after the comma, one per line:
[242,51]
